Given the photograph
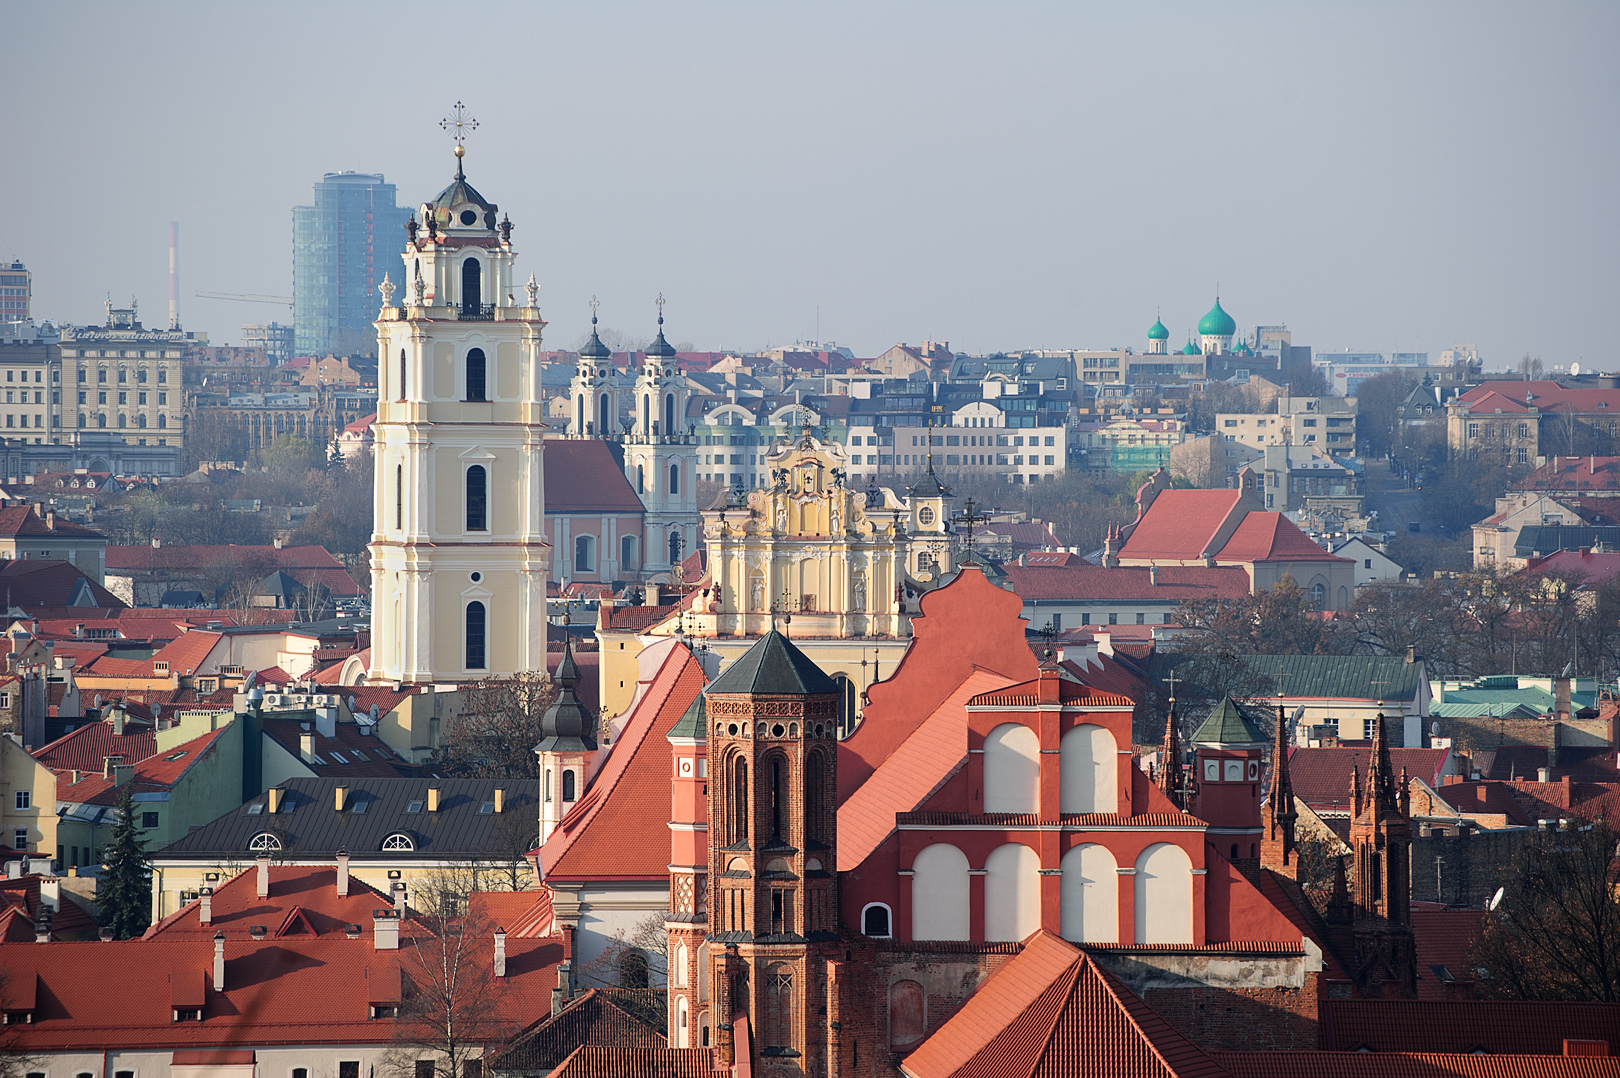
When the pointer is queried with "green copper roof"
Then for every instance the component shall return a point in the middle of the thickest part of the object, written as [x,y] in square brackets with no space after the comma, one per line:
[1189,349]
[1217,323]
[773,666]
[1157,332]
[1227,725]
[694,724]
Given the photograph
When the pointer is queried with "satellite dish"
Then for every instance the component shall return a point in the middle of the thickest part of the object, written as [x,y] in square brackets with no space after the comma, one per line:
[1574,368]
[1496,899]
[1434,728]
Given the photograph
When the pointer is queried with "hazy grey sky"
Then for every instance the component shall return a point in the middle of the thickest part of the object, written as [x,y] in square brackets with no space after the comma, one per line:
[997,175]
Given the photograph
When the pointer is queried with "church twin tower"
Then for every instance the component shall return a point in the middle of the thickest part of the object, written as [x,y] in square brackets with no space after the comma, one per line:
[459,557]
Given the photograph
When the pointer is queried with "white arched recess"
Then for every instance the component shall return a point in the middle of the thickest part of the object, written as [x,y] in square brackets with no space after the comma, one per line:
[1012,893]
[1012,769]
[1090,895]
[939,894]
[1089,760]
[1164,898]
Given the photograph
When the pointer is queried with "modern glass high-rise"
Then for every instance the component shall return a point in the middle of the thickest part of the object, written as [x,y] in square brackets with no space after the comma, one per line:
[342,246]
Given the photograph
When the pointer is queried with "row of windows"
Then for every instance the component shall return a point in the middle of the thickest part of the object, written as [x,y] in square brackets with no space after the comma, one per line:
[123,420]
[585,553]
[101,397]
[941,906]
[1088,768]
[474,371]
[1012,441]
[123,376]
[1113,619]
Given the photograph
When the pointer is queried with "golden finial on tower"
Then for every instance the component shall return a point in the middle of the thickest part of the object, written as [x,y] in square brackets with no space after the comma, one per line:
[459,125]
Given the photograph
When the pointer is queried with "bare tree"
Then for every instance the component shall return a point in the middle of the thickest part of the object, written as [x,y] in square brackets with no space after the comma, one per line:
[1555,935]
[633,968]
[496,731]
[453,1006]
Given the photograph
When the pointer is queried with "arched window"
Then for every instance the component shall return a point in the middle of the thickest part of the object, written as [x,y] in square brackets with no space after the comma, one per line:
[568,784]
[679,963]
[476,630]
[627,553]
[814,798]
[907,1013]
[669,413]
[779,798]
[846,704]
[475,374]
[674,479]
[939,894]
[477,498]
[140,420]
[585,554]
[739,802]
[163,422]
[646,412]
[1090,895]
[399,497]
[579,416]
[681,1033]
[1318,595]
[264,842]
[1012,769]
[472,288]
[399,841]
[634,971]
[641,479]
[1012,893]
[1088,760]
[674,545]
[876,921]
[399,392]
[604,424]
[778,1025]
[1164,906]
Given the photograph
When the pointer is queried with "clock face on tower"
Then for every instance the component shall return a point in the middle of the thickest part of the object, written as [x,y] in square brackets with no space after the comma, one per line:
[925,515]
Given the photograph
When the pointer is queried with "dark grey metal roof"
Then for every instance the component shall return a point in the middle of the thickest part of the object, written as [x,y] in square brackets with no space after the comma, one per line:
[308,826]
[775,666]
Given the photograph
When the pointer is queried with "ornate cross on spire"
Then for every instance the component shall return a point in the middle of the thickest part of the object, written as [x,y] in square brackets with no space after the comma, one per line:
[594,305]
[459,125]
[660,302]
[1172,679]
[970,517]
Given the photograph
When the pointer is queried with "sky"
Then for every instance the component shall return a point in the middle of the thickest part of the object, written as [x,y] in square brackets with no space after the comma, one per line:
[1377,176]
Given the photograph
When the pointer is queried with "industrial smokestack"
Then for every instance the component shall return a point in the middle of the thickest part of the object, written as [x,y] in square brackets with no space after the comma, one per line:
[174,274]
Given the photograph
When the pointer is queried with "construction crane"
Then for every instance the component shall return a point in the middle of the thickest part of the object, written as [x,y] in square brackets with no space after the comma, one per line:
[250,298]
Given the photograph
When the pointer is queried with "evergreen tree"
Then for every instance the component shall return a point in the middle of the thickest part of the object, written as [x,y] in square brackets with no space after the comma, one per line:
[124,895]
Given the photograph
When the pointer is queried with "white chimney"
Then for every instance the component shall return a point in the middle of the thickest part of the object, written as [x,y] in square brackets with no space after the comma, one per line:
[264,875]
[343,873]
[399,899]
[500,952]
[306,747]
[219,961]
[385,930]
[1543,774]
[205,913]
[326,721]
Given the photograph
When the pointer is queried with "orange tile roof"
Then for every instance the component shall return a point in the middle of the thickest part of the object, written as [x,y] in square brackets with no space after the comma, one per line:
[309,890]
[1053,1012]
[594,1061]
[1510,1027]
[1272,537]
[1412,1065]
[87,748]
[157,772]
[1181,524]
[618,830]
[910,775]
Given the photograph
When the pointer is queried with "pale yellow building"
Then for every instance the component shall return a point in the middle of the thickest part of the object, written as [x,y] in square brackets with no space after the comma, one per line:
[27,800]
[458,555]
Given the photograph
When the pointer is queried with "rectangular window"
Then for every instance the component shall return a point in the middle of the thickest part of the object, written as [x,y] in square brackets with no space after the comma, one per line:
[424,1068]
[24,799]
[101,377]
[1113,619]
[19,839]
[122,376]
[1141,619]
[141,398]
[349,1068]
[163,378]
[123,397]
[1085,619]
[163,398]
[83,375]
[101,396]
[1048,458]
[149,820]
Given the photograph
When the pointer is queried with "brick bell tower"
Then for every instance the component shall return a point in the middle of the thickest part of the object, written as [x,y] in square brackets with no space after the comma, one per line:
[1381,841]
[773,911]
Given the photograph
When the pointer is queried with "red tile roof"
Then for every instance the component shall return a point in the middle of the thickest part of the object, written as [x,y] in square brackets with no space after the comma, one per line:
[609,833]
[87,748]
[910,774]
[293,990]
[200,557]
[1025,533]
[1271,537]
[594,1061]
[1181,524]
[40,584]
[1051,558]
[1485,798]
[155,773]
[1411,1065]
[183,655]
[1581,565]
[1543,394]
[634,618]
[1444,938]
[1053,1012]
[1322,776]
[22,520]
[1573,473]
[1081,581]
[307,891]
[583,476]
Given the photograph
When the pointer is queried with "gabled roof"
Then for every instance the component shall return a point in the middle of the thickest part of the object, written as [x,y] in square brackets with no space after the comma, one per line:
[21,521]
[1506,1027]
[1340,677]
[1412,1065]
[348,754]
[1080,581]
[583,476]
[307,893]
[608,834]
[1321,776]
[773,666]
[1181,524]
[155,773]
[595,1019]
[1053,1012]
[87,748]
[1271,537]
[41,584]
[597,1061]
[183,556]
[634,618]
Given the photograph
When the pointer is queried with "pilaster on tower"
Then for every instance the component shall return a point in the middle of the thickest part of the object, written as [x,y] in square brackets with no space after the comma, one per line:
[686,925]
[772,728]
[1279,816]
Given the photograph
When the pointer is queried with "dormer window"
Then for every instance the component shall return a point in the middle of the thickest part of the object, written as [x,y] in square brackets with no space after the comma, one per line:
[469,218]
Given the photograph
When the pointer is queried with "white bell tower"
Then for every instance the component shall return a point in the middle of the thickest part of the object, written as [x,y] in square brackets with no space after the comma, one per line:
[458,554]
[660,458]
[595,412]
